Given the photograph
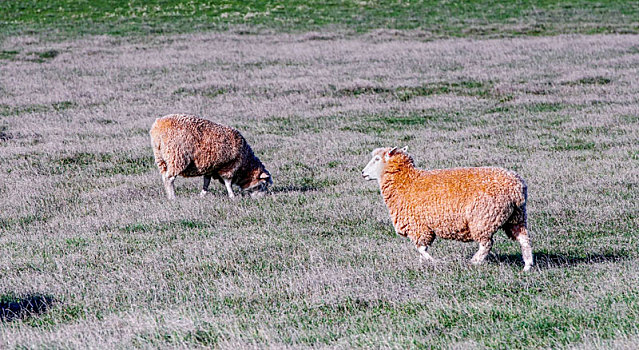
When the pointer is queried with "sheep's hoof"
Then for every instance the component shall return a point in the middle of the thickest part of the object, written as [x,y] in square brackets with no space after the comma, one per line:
[527,268]
[203,194]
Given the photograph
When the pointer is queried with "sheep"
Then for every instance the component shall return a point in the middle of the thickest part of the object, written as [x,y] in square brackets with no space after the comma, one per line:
[464,204]
[190,146]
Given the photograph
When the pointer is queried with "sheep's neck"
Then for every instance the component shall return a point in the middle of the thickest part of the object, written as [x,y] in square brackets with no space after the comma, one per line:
[394,186]
[395,181]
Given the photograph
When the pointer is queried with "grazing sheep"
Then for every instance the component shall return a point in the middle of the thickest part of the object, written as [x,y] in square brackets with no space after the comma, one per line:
[465,204]
[189,146]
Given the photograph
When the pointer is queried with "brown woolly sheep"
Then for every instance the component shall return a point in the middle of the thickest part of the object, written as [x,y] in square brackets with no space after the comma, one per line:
[465,204]
[189,146]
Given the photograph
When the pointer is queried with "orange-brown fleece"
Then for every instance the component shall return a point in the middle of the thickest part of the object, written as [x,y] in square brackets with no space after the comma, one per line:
[189,146]
[466,204]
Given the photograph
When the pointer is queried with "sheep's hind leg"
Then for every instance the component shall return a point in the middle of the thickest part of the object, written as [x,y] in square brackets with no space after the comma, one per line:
[526,251]
[205,185]
[168,185]
[524,241]
[482,253]
[229,188]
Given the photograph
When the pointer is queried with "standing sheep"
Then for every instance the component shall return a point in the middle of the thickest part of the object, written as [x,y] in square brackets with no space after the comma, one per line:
[465,204]
[189,146]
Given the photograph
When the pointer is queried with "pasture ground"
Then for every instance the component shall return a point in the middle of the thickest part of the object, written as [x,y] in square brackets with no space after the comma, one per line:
[84,221]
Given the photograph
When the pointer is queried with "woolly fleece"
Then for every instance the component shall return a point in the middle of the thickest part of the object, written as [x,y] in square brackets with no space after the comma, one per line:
[189,146]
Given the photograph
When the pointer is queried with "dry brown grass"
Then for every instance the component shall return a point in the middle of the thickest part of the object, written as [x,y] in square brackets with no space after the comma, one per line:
[83,218]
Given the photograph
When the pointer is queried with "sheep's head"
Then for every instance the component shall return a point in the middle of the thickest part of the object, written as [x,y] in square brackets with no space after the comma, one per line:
[259,181]
[381,156]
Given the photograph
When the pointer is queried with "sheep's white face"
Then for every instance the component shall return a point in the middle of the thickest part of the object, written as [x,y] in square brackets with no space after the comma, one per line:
[373,169]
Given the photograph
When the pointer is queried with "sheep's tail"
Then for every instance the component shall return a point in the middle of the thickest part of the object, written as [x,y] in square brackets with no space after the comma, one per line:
[519,215]
[524,192]
[156,143]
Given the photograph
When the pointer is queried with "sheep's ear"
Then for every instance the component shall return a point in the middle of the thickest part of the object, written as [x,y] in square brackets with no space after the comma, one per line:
[405,149]
[390,153]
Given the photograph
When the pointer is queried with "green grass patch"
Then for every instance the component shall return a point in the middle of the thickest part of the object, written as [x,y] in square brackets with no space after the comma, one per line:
[597,80]
[8,110]
[406,93]
[76,242]
[451,18]
[392,123]
[205,335]
[84,163]
[49,54]
[102,164]
[573,144]
[290,125]
[21,222]
[11,111]
[63,314]
[164,226]
[63,105]
[210,91]
[542,107]
[410,120]
[8,54]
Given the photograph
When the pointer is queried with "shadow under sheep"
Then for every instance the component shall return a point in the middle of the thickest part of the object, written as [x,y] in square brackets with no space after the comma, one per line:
[550,260]
[14,307]
[293,188]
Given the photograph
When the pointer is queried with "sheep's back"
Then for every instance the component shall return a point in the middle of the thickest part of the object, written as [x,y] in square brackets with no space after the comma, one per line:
[462,186]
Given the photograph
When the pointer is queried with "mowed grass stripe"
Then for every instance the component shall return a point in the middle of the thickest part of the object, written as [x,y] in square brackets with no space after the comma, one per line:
[437,19]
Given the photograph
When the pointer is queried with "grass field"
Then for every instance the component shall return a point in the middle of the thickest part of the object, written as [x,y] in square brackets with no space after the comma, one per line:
[93,256]
[433,19]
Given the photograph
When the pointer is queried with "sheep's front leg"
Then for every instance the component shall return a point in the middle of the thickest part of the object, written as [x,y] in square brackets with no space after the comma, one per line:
[229,188]
[205,185]
[484,250]
[168,185]
[423,242]
[423,254]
